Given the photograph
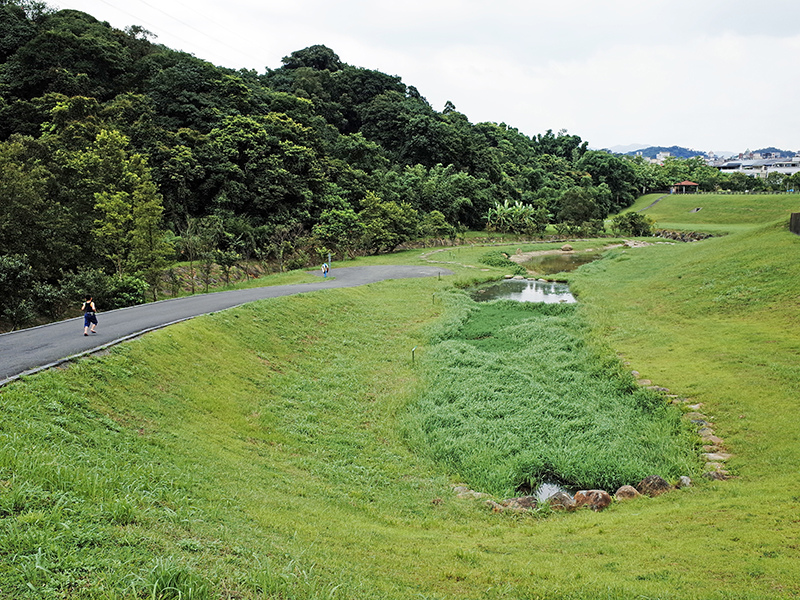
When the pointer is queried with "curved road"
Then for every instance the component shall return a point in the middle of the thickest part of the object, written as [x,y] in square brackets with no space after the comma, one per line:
[31,350]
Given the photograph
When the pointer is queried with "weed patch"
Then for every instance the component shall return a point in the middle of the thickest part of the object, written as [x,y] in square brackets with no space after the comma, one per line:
[516,395]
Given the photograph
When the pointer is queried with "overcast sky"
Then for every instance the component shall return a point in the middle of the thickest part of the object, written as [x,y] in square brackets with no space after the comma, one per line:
[705,74]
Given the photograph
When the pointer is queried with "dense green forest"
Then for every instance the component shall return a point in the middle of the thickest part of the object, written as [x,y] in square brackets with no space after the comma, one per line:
[120,156]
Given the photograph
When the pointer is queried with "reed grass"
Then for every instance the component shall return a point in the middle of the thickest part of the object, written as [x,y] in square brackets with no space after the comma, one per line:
[516,396]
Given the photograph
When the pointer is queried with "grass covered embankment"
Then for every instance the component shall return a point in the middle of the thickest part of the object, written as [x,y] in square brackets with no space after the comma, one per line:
[516,396]
[257,453]
[716,213]
[716,321]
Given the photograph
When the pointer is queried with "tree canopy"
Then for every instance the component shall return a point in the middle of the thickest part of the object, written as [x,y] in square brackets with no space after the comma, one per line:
[104,135]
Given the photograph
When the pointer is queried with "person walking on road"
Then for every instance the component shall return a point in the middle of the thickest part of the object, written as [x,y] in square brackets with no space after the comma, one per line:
[89,316]
[325,269]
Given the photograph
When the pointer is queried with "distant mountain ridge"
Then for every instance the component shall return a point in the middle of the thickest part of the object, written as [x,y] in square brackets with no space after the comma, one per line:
[676,151]
[682,152]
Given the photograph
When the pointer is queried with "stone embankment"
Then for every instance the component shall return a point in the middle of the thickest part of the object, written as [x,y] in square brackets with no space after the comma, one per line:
[596,500]
[714,451]
[681,236]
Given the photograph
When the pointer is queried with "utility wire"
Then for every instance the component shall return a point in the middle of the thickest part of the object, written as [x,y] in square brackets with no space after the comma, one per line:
[156,28]
[203,33]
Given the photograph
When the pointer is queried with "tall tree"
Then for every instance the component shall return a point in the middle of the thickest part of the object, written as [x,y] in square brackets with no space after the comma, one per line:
[129,208]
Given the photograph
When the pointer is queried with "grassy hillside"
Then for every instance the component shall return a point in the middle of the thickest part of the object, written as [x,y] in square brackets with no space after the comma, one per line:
[259,452]
[718,213]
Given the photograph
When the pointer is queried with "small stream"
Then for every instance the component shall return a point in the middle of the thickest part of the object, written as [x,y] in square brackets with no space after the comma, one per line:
[524,290]
[548,489]
[533,290]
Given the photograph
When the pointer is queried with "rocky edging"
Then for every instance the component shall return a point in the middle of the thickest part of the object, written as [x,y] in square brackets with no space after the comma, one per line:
[714,451]
[596,500]
[682,236]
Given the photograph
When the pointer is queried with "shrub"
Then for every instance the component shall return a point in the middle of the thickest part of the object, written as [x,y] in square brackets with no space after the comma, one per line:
[16,289]
[633,224]
[109,291]
[501,260]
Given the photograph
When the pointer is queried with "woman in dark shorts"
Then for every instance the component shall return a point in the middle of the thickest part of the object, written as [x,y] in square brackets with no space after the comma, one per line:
[89,316]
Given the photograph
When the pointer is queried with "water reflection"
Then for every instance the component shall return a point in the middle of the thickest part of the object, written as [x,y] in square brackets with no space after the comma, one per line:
[548,264]
[525,290]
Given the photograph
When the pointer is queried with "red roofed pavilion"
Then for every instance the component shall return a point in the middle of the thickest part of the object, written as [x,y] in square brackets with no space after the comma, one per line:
[685,187]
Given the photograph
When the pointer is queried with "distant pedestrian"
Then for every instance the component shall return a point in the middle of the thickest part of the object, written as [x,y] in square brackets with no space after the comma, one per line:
[89,316]
[325,269]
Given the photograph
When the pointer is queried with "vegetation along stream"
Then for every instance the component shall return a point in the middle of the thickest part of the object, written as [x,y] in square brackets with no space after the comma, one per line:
[520,395]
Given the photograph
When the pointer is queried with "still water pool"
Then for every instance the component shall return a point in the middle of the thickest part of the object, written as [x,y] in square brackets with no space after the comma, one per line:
[525,290]
[547,264]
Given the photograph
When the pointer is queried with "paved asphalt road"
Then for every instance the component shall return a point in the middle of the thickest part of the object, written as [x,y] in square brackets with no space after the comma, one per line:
[31,350]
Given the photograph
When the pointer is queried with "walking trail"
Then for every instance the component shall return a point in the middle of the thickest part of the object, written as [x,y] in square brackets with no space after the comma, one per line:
[32,350]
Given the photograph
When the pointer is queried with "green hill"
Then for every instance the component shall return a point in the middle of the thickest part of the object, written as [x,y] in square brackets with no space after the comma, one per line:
[716,213]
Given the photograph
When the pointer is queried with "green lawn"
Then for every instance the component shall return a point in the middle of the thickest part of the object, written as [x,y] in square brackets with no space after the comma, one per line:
[263,452]
[719,213]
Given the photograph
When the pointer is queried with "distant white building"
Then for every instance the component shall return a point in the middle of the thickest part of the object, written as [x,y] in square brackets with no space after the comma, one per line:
[762,167]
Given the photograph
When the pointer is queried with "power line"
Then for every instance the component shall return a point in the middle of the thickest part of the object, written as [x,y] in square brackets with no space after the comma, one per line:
[203,33]
[157,28]
[207,18]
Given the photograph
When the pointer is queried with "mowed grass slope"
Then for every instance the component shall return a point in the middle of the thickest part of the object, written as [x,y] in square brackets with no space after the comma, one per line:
[719,213]
[261,452]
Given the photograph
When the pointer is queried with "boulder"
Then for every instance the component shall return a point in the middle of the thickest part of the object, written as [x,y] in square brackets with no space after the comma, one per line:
[464,492]
[521,503]
[626,492]
[494,506]
[716,456]
[684,482]
[652,486]
[471,495]
[696,416]
[561,501]
[712,439]
[594,499]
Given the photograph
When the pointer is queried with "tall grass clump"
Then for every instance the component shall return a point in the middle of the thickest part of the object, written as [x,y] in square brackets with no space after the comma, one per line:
[496,258]
[169,580]
[517,395]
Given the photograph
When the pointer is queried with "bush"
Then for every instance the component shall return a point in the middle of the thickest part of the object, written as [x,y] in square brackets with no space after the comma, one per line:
[109,291]
[16,289]
[633,224]
[501,260]
[50,301]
